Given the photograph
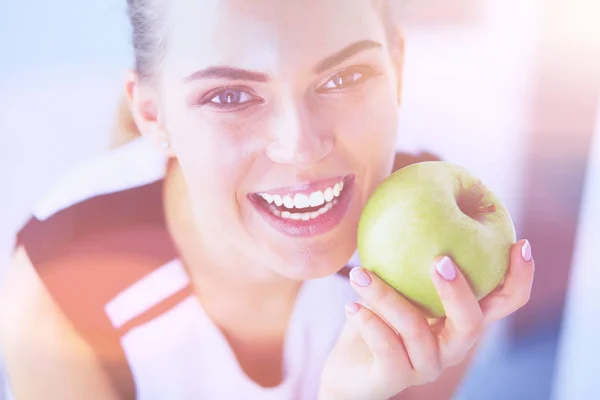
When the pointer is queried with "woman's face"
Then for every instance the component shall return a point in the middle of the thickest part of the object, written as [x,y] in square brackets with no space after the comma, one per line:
[282,116]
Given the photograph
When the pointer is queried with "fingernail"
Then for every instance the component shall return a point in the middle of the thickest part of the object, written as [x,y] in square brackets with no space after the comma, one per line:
[526,251]
[352,308]
[360,277]
[446,269]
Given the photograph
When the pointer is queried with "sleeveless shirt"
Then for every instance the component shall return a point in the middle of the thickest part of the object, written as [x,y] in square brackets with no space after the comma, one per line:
[99,243]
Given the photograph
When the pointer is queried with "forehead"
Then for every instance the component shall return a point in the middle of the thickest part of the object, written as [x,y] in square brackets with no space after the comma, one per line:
[272,36]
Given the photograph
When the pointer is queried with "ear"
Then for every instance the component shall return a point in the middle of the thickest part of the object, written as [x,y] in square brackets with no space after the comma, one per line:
[145,110]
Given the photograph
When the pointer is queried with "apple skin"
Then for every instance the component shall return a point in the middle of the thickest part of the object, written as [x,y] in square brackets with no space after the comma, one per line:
[413,217]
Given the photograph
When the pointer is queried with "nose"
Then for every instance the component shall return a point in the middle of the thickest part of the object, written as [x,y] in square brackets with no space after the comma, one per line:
[297,138]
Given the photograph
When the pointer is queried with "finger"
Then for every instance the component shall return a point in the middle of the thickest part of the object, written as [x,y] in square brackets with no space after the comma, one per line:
[388,351]
[514,293]
[464,317]
[403,317]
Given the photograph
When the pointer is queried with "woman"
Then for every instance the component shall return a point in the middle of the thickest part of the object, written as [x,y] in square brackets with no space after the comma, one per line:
[203,260]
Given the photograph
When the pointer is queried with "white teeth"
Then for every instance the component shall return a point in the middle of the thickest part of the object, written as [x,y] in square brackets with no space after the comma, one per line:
[327,199]
[307,216]
[268,198]
[337,189]
[274,210]
[301,201]
[278,200]
[288,202]
[323,210]
[317,199]
[328,194]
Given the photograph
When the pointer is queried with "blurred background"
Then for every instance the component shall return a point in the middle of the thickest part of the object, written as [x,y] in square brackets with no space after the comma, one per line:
[509,89]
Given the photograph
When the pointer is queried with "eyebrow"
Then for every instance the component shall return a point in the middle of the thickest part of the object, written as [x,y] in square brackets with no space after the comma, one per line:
[345,54]
[245,75]
[228,73]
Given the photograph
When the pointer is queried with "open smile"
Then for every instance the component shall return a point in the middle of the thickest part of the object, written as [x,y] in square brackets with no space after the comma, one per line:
[306,210]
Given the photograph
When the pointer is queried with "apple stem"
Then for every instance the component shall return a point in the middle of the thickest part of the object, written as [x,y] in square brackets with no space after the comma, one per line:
[486,209]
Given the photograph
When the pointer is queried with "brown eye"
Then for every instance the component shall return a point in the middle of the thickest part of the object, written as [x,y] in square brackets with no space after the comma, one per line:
[343,80]
[231,97]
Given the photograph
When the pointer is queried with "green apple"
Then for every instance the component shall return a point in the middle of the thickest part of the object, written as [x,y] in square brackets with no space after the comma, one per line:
[431,209]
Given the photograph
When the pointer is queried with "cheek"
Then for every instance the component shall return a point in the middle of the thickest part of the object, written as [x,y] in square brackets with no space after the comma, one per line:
[214,158]
[369,128]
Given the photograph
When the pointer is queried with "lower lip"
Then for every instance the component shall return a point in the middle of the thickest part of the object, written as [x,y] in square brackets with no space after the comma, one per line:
[314,227]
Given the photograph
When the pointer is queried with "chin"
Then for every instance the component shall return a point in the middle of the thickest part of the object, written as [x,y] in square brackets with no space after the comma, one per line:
[318,239]
[302,271]
[317,261]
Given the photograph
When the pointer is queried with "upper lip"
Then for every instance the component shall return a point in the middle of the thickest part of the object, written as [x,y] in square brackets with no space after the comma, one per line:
[306,188]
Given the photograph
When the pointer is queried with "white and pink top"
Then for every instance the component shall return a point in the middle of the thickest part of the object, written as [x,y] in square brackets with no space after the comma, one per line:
[162,343]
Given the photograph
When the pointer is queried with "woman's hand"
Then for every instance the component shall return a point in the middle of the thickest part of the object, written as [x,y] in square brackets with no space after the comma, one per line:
[388,345]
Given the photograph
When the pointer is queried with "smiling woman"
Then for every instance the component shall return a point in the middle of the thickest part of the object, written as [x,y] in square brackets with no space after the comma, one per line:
[203,259]
[271,104]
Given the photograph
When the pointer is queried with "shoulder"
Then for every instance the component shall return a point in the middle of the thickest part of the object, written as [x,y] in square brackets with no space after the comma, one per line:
[116,194]
[100,231]
[22,296]
[103,214]
[99,234]
[132,165]
[32,323]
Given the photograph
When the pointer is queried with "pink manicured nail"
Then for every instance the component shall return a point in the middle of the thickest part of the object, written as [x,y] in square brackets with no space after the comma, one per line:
[352,308]
[526,251]
[446,269]
[360,277]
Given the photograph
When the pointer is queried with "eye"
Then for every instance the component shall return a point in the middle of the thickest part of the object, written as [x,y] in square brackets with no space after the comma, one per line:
[231,97]
[344,80]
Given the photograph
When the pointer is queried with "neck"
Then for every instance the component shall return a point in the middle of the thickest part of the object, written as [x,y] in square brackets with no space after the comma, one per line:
[221,277]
